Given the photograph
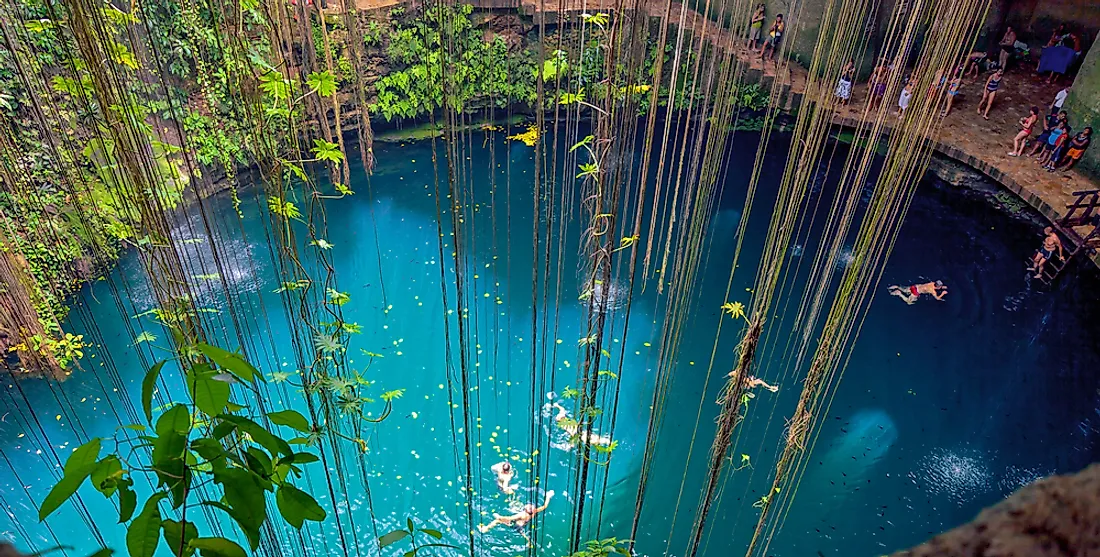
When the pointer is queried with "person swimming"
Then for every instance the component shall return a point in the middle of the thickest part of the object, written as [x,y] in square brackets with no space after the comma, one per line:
[751,382]
[504,473]
[912,293]
[519,519]
[572,427]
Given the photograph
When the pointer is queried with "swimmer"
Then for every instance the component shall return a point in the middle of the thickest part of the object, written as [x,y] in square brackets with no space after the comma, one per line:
[573,428]
[910,294]
[752,382]
[520,519]
[504,473]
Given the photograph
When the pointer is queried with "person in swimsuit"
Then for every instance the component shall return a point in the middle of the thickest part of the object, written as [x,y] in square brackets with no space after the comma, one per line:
[1077,148]
[1057,146]
[1051,242]
[952,92]
[576,433]
[1050,123]
[756,24]
[974,64]
[775,35]
[752,382]
[912,293]
[504,473]
[519,519]
[1027,124]
[991,86]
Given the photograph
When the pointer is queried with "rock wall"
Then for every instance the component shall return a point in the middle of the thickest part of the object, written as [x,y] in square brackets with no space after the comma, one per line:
[1083,106]
[1054,517]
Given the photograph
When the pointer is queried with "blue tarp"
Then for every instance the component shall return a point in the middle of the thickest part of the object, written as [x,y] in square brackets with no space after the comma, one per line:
[1056,59]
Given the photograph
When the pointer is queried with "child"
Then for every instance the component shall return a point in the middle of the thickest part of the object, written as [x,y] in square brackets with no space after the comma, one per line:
[1054,143]
[844,88]
[903,100]
[952,91]
[992,85]
[1027,124]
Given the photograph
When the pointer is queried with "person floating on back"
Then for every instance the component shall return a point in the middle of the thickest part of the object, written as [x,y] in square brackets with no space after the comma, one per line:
[913,292]
[519,519]
[1051,242]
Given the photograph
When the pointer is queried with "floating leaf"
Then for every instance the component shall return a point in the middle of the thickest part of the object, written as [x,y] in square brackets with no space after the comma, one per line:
[392,537]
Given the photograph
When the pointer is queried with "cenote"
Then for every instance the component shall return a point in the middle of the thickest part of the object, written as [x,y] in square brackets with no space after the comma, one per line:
[943,409]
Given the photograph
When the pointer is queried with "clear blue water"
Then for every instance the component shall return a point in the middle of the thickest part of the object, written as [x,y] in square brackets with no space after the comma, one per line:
[945,407]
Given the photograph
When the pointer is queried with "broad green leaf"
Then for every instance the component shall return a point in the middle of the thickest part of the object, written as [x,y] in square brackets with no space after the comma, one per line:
[322,82]
[105,552]
[274,445]
[147,386]
[245,496]
[176,419]
[395,536]
[433,533]
[107,471]
[78,467]
[297,506]
[143,535]
[127,502]
[218,547]
[290,418]
[230,361]
[299,458]
[210,395]
[252,535]
[258,461]
[178,536]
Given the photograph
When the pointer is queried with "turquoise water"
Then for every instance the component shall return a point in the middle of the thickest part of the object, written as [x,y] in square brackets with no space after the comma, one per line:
[944,408]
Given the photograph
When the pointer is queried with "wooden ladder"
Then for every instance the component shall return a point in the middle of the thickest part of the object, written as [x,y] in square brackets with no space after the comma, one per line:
[1083,212]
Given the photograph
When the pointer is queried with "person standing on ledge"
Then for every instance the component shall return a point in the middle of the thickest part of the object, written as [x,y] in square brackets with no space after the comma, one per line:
[775,36]
[912,293]
[755,26]
[992,85]
[1027,124]
[1051,242]
[1008,47]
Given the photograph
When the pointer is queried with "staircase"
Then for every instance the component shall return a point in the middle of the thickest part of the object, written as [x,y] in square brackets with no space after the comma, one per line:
[1079,227]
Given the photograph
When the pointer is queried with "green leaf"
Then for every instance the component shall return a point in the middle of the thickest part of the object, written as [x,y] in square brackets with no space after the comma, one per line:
[300,458]
[252,535]
[327,151]
[433,533]
[409,523]
[244,495]
[218,547]
[258,461]
[322,82]
[175,419]
[147,385]
[297,506]
[290,418]
[395,536]
[274,445]
[143,535]
[107,471]
[78,467]
[230,361]
[178,536]
[210,395]
[127,502]
[105,552]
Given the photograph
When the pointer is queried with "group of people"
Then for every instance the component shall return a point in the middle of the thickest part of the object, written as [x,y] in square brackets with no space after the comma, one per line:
[766,46]
[1056,147]
[505,472]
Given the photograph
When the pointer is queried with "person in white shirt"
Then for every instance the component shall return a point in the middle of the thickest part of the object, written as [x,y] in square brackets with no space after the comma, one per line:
[1059,100]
